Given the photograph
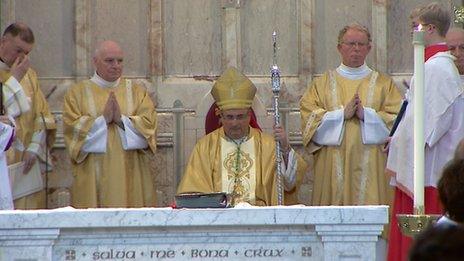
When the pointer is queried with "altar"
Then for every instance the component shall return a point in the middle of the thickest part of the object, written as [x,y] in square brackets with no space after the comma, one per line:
[263,233]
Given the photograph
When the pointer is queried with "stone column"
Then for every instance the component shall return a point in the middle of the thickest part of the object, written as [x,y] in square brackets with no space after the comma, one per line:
[82,34]
[379,34]
[155,45]
[231,51]
[306,8]
[7,13]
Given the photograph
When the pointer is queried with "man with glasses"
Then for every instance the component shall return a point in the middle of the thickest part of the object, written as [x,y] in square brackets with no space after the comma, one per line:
[237,158]
[444,124]
[346,116]
[455,42]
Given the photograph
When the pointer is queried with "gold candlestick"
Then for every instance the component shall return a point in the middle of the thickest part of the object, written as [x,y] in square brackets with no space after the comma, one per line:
[412,225]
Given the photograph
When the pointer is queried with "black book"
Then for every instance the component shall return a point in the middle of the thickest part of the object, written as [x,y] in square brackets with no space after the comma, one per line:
[202,200]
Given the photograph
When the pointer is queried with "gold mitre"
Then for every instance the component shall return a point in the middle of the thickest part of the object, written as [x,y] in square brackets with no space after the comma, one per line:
[233,90]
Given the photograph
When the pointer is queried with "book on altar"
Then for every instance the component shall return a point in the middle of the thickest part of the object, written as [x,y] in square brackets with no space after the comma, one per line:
[203,200]
[25,184]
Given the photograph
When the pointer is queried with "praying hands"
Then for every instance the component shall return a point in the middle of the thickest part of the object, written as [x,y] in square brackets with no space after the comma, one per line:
[354,107]
[112,111]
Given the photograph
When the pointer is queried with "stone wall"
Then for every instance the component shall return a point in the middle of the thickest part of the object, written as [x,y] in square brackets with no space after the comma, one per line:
[176,48]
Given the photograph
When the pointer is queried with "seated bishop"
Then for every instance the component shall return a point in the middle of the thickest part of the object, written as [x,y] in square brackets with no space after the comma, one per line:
[238,159]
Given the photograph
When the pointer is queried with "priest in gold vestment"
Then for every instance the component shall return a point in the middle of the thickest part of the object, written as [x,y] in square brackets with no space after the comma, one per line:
[110,133]
[346,116]
[23,100]
[238,159]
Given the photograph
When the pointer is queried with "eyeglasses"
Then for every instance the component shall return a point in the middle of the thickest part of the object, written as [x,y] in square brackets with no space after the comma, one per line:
[238,117]
[355,44]
[456,47]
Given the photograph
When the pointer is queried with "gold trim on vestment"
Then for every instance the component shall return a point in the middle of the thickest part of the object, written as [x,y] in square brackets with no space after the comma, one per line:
[338,159]
[333,90]
[239,177]
[309,123]
[76,131]
[90,99]
[129,98]
[366,149]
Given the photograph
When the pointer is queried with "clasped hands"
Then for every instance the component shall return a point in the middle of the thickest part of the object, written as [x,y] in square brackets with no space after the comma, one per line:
[354,107]
[112,111]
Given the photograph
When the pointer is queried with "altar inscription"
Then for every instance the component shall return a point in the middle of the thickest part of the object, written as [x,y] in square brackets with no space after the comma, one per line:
[212,251]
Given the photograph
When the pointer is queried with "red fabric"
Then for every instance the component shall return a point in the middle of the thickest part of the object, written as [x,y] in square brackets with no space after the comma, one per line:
[433,49]
[398,245]
[212,119]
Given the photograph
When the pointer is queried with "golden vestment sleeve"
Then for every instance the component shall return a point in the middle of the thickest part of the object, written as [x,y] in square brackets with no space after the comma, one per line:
[313,107]
[291,197]
[391,102]
[144,117]
[40,106]
[199,175]
[27,124]
[44,120]
[269,170]
[75,124]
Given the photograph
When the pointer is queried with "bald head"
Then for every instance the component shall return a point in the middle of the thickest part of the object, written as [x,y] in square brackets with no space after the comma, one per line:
[106,46]
[108,59]
[455,41]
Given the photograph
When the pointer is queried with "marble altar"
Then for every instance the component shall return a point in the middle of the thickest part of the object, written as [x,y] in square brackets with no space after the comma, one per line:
[263,233]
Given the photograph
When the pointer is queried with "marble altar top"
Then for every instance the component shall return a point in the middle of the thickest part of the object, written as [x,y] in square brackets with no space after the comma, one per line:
[152,217]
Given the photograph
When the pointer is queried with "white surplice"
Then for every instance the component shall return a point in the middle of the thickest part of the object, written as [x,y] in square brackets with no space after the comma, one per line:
[444,124]
[6,197]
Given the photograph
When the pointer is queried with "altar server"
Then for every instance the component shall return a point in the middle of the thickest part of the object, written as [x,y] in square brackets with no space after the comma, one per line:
[444,124]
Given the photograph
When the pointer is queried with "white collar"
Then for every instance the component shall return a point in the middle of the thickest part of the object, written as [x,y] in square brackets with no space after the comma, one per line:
[354,73]
[102,82]
[3,66]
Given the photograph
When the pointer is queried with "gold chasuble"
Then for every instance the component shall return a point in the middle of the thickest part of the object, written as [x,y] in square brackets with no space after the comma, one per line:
[351,173]
[117,177]
[35,120]
[248,173]
[238,161]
